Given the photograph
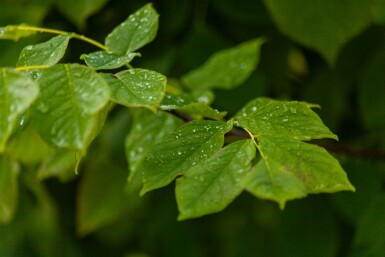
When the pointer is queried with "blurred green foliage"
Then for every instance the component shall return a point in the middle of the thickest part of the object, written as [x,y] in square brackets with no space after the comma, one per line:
[326,52]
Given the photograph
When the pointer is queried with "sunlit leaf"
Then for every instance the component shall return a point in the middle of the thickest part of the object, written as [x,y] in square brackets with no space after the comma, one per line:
[148,128]
[186,147]
[66,110]
[47,53]
[214,183]
[106,60]
[15,32]
[138,30]
[17,93]
[226,69]
[137,88]
[8,189]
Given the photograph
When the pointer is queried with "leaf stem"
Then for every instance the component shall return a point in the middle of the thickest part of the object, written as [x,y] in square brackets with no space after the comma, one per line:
[31,67]
[61,32]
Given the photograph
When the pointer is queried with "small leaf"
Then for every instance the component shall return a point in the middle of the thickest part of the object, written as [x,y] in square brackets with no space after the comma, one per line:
[137,88]
[276,185]
[186,147]
[264,116]
[15,32]
[17,93]
[59,164]
[66,110]
[138,30]
[102,60]
[47,53]
[8,189]
[214,183]
[148,128]
[186,104]
[226,69]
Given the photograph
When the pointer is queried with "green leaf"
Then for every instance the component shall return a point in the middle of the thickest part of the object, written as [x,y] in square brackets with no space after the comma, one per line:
[265,116]
[226,69]
[66,110]
[103,60]
[312,165]
[47,53]
[307,22]
[59,164]
[15,32]
[186,104]
[17,93]
[186,147]
[274,184]
[148,129]
[8,189]
[138,30]
[377,8]
[78,11]
[214,183]
[137,88]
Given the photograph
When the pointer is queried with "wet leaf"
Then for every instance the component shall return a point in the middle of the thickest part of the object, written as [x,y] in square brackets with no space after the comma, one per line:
[8,189]
[186,147]
[148,128]
[214,183]
[47,53]
[137,88]
[226,69]
[17,93]
[15,32]
[138,30]
[66,111]
[102,60]
[264,116]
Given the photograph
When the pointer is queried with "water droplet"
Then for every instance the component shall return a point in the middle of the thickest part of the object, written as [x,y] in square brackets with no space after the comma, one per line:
[254,109]
[131,71]
[179,153]
[41,107]
[28,48]
[284,120]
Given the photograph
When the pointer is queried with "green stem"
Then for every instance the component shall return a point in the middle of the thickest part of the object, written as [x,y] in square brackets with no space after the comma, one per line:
[32,67]
[60,32]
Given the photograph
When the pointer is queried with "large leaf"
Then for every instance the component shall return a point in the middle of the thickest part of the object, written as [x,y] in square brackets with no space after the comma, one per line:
[186,147]
[214,183]
[226,69]
[137,88]
[322,25]
[78,11]
[274,184]
[17,92]
[138,30]
[103,60]
[265,116]
[66,110]
[15,32]
[8,189]
[47,53]
[148,129]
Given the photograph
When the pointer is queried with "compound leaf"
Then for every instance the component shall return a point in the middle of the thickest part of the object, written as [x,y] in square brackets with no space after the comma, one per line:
[66,111]
[186,147]
[214,183]
[46,53]
[265,116]
[226,69]
[138,30]
[17,93]
[102,60]
[137,88]
[8,189]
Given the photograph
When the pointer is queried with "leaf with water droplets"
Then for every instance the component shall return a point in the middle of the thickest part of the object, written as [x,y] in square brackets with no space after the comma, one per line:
[137,88]
[66,111]
[8,189]
[102,60]
[148,128]
[17,93]
[186,104]
[214,183]
[15,32]
[265,116]
[138,30]
[189,145]
[46,53]
[226,69]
